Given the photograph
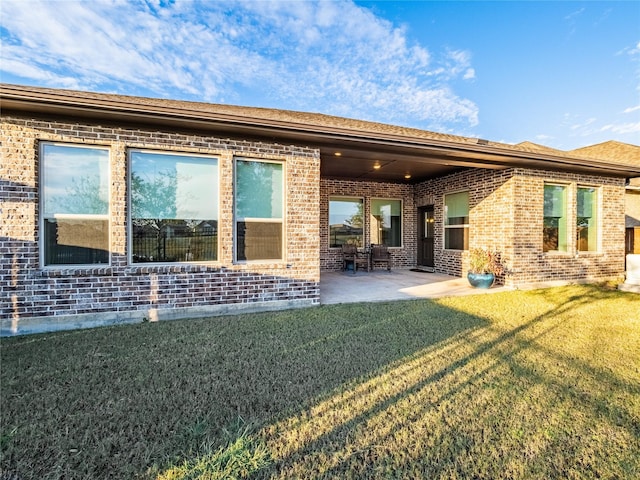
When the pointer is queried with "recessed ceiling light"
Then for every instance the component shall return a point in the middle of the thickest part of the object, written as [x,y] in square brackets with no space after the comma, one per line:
[338,154]
[407,176]
[376,166]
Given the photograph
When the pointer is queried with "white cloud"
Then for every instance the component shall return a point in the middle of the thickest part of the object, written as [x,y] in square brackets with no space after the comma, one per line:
[574,15]
[573,18]
[634,53]
[634,50]
[457,63]
[15,64]
[543,137]
[622,128]
[631,109]
[334,57]
[580,132]
[582,126]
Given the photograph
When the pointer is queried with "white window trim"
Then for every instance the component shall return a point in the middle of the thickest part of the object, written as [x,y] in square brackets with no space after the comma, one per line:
[43,217]
[130,210]
[282,220]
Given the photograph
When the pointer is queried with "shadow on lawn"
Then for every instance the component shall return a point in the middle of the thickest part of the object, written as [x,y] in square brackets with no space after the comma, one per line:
[113,401]
[404,389]
[489,402]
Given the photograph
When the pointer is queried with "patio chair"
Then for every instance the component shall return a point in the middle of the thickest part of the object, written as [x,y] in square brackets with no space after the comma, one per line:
[380,254]
[350,255]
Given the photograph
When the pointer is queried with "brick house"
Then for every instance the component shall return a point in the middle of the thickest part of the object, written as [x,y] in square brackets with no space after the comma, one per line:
[623,153]
[116,208]
[632,217]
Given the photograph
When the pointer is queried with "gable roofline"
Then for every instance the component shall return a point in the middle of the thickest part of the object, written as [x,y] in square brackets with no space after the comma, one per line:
[611,150]
[318,130]
[536,146]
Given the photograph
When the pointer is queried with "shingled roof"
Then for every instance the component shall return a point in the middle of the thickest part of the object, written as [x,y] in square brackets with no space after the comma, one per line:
[613,151]
[537,147]
[306,119]
[325,131]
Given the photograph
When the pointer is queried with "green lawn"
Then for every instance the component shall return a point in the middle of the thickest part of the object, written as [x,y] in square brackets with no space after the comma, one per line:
[540,384]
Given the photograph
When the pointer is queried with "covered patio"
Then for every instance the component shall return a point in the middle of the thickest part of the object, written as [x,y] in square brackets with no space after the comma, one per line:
[399,284]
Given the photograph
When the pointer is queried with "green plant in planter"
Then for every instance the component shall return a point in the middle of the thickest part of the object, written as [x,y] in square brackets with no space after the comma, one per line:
[482,260]
[484,266]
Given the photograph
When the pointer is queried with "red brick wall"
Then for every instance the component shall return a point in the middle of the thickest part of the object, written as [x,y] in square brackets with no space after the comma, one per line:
[28,290]
[506,208]
[530,264]
[506,214]
[402,257]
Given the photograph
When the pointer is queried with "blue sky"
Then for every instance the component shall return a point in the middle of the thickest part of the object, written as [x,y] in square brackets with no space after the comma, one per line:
[562,74]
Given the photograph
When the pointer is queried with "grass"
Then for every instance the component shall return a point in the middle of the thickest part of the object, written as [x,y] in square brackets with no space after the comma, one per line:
[540,384]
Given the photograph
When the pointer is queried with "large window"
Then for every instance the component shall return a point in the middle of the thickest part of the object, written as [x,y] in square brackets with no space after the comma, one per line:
[259,212]
[75,204]
[456,221]
[555,218]
[174,207]
[386,222]
[587,220]
[346,219]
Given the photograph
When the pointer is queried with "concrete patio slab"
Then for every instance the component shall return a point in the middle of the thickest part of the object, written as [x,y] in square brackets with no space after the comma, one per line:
[380,285]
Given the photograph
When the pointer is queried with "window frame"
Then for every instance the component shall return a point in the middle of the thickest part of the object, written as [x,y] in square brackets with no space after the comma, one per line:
[597,190]
[282,220]
[345,197]
[42,180]
[371,201]
[130,205]
[569,227]
[466,227]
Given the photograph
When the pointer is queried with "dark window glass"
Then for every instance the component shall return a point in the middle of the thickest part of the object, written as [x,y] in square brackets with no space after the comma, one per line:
[456,221]
[386,222]
[587,220]
[75,205]
[174,207]
[346,220]
[259,210]
[554,234]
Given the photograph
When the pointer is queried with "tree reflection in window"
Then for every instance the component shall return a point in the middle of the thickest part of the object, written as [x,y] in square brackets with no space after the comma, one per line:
[75,204]
[346,220]
[174,207]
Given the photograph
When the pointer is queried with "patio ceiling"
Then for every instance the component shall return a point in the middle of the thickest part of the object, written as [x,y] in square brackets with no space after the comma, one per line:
[348,148]
[389,165]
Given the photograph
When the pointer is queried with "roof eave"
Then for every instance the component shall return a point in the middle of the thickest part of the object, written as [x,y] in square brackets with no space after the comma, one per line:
[24,99]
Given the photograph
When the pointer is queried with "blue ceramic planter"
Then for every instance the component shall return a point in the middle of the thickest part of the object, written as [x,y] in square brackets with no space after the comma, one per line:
[481,280]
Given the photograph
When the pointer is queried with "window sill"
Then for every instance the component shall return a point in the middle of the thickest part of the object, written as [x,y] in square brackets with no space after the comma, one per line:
[263,263]
[74,271]
[130,269]
[557,253]
[173,267]
[214,263]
